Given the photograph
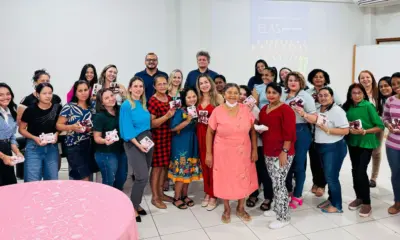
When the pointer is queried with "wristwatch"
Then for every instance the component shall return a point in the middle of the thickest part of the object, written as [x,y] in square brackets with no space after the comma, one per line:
[285,150]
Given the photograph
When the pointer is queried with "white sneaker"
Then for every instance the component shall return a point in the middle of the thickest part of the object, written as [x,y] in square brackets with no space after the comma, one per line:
[278,224]
[269,213]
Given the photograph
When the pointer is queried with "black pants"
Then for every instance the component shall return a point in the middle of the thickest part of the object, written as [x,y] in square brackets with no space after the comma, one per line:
[360,158]
[7,174]
[316,167]
[263,176]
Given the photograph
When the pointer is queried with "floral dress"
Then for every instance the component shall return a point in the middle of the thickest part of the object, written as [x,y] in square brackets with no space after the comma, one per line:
[74,114]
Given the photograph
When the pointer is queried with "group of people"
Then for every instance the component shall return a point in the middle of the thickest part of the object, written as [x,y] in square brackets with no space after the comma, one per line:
[234,138]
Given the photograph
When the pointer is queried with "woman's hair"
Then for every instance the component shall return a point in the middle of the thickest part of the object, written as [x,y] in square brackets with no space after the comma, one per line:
[12,106]
[248,92]
[38,73]
[83,74]
[381,97]
[230,85]
[282,81]
[74,98]
[274,86]
[184,93]
[156,77]
[171,77]
[375,90]
[331,93]
[142,98]
[256,74]
[299,77]
[213,90]
[99,100]
[314,72]
[221,77]
[102,78]
[395,75]
[273,72]
[40,87]
[349,100]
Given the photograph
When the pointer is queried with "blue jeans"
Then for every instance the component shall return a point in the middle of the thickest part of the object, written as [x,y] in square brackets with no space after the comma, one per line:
[41,162]
[303,142]
[332,156]
[113,167]
[393,157]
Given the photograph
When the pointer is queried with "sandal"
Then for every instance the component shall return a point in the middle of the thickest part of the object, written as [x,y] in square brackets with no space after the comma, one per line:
[158,204]
[251,201]
[243,215]
[395,209]
[331,209]
[266,205]
[226,218]
[166,198]
[324,204]
[181,206]
[189,202]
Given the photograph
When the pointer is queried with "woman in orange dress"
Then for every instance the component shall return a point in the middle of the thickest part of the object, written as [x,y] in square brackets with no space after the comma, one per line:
[232,152]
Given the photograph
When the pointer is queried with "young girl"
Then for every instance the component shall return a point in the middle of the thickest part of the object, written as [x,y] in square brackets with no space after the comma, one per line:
[41,156]
[208,100]
[185,163]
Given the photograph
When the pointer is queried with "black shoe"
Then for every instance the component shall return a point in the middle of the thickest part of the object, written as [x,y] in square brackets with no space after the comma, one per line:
[138,219]
[372,183]
[142,212]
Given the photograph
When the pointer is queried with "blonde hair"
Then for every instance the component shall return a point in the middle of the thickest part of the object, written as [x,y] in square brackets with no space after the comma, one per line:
[213,90]
[299,77]
[171,77]
[102,78]
[142,98]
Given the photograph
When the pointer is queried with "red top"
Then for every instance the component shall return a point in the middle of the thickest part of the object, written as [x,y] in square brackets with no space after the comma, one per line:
[281,123]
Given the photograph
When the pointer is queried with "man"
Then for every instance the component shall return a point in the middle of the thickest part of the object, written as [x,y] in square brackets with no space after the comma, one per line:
[151,62]
[203,60]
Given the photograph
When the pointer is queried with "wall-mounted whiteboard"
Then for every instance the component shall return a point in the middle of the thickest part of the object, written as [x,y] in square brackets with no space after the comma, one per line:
[381,60]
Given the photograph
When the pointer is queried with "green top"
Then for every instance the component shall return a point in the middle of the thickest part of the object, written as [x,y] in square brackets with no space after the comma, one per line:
[366,112]
[105,122]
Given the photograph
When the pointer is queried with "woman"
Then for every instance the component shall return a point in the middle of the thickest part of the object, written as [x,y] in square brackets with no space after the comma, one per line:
[185,163]
[385,91]
[279,151]
[208,100]
[76,119]
[220,82]
[110,155]
[108,79]
[244,93]
[319,79]
[282,75]
[89,74]
[367,79]
[8,142]
[40,76]
[41,155]
[256,79]
[134,122]
[160,112]
[391,112]
[361,142]
[295,85]
[259,93]
[331,127]
[231,153]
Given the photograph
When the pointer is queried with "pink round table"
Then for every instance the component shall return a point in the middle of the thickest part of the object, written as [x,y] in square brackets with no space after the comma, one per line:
[65,210]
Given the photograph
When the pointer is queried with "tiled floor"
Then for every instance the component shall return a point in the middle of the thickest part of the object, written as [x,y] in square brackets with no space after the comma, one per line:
[307,221]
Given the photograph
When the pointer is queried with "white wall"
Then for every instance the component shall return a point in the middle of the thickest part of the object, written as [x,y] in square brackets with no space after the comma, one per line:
[62,36]
[386,22]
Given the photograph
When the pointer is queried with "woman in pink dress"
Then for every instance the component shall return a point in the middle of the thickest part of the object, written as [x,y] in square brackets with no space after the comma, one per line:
[232,152]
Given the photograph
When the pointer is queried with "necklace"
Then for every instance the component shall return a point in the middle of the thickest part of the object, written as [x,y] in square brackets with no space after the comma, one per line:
[272,106]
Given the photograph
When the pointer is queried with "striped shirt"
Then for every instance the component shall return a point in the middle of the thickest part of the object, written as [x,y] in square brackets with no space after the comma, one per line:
[390,112]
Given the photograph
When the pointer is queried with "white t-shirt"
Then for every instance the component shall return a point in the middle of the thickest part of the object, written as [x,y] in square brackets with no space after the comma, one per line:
[336,119]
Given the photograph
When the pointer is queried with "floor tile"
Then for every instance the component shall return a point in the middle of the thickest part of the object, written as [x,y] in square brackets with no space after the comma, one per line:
[154,238]
[232,231]
[331,234]
[392,223]
[259,226]
[147,228]
[346,218]
[301,237]
[175,222]
[309,221]
[198,234]
[213,218]
[371,230]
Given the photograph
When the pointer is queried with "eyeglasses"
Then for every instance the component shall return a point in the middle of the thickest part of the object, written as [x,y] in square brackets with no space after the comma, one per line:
[151,60]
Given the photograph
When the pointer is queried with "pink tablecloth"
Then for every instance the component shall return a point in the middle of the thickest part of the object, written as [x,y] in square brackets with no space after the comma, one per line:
[65,210]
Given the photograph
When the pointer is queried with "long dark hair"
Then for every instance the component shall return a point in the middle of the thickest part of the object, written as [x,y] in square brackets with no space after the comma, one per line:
[99,100]
[256,74]
[12,106]
[83,74]
[381,97]
[74,98]
[331,93]
[184,93]
[248,92]
[349,101]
